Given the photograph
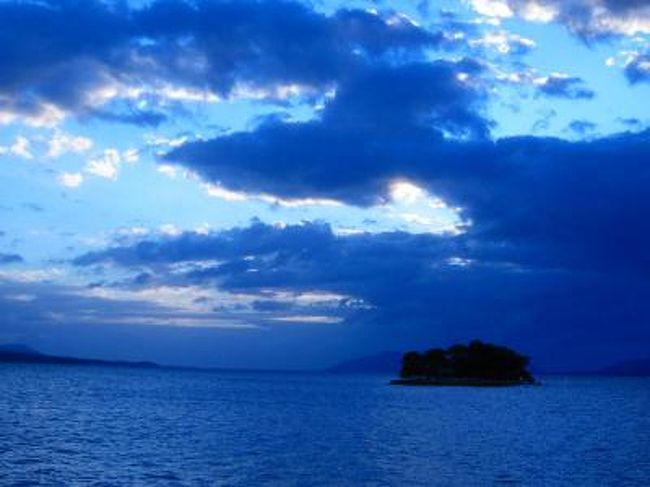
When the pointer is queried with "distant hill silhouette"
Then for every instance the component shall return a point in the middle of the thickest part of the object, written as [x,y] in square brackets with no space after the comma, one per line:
[17,347]
[629,368]
[381,363]
[18,353]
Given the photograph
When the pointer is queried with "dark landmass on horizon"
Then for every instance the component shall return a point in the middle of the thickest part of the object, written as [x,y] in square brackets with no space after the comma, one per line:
[18,353]
[385,363]
[388,362]
[380,363]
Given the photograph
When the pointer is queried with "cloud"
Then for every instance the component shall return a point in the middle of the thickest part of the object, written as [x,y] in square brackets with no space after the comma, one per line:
[382,120]
[20,148]
[142,118]
[564,86]
[29,304]
[70,179]
[62,143]
[105,166]
[10,259]
[384,125]
[590,19]
[582,127]
[504,43]
[441,287]
[637,70]
[113,55]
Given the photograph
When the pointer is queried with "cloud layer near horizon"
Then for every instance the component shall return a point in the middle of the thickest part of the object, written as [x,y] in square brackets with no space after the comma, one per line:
[424,285]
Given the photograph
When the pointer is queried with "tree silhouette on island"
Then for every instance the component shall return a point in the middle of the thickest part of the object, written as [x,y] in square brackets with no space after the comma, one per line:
[476,364]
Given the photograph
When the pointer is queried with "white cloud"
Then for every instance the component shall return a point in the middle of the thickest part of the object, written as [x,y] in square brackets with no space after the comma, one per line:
[218,191]
[160,141]
[105,166]
[459,261]
[492,8]
[61,143]
[417,219]
[131,155]
[70,179]
[310,319]
[167,170]
[32,275]
[503,42]
[48,116]
[24,298]
[20,148]
[170,229]
[134,231]
[537,12]
[588,17]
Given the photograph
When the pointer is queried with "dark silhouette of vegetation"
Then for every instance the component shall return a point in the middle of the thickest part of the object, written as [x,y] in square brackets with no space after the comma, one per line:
[476,361]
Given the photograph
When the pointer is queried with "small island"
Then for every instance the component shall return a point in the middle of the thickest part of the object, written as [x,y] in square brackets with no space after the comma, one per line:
[477,364]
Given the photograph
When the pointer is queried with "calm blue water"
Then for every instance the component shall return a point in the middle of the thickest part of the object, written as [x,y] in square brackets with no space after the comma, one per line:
[109,426]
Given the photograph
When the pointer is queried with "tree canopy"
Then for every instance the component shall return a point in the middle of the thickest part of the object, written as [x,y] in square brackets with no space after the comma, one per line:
[478,360]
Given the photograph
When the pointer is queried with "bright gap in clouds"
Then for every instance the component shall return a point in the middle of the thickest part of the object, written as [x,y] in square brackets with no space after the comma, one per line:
[409,208]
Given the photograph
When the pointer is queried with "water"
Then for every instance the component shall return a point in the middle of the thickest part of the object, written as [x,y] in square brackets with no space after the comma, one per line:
[68,425]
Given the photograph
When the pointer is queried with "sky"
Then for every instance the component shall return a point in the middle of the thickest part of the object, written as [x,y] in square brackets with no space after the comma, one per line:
[289,184]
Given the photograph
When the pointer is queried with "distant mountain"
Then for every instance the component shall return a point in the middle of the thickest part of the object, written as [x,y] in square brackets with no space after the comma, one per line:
[381,363]
[17,347]
[629,367]
[18,353]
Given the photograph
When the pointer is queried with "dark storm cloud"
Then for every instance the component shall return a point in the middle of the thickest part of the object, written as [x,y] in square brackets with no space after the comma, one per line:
[583,200]
[581,203]
[568,87]
[62,52]
[384,122]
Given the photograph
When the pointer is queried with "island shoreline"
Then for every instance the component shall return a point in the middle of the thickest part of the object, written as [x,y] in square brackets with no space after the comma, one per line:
[460,383]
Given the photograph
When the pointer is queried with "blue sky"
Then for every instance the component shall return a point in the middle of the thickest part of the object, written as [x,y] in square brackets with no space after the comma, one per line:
[288,184]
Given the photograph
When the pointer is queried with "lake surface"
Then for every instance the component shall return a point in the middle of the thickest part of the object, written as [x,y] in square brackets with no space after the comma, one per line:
[70,425]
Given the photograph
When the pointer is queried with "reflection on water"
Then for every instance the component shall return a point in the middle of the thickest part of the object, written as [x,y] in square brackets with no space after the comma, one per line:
[113,426]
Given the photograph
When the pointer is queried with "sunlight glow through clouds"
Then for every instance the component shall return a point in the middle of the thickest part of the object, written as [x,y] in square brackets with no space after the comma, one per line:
[408,204]
[217,191]
[416,206]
